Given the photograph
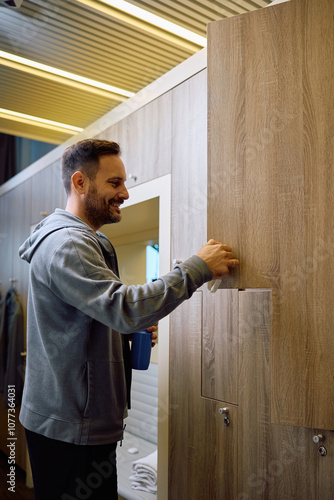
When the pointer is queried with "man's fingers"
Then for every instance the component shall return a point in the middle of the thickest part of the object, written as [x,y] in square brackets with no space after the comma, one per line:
[233,263]
[229,255]
[227,248]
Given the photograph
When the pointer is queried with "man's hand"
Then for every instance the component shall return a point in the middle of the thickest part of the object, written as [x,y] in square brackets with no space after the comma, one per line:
[218,257]
[153,329]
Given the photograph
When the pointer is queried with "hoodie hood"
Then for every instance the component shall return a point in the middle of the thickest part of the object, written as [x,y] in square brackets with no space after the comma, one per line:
[60,219]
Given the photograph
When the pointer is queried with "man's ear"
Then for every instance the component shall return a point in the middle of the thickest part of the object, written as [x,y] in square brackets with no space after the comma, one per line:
[79,182]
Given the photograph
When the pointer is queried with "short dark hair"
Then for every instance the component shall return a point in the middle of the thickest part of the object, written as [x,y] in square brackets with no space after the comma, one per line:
[84,156]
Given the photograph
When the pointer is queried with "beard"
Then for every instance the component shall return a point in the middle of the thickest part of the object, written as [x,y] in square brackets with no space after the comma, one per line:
[98,211]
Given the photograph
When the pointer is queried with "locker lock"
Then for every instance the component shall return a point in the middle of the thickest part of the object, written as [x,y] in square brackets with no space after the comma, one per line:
[224,411]
[322,451]
[318,438]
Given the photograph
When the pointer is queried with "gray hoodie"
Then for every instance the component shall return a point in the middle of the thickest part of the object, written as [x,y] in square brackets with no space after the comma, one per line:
[75,388]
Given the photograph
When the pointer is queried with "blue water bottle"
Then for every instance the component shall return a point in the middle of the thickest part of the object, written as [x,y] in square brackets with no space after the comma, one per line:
[141,350]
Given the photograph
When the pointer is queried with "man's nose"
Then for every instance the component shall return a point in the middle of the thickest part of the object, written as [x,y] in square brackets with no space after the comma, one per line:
[124,194]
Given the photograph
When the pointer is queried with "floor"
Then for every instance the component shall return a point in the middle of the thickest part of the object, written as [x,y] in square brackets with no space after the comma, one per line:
[21,490]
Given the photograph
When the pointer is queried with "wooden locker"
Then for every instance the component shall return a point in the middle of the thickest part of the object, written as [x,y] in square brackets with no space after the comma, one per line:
[203,450]
[270,187]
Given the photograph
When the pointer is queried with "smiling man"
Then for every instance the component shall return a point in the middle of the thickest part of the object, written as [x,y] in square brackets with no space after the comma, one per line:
[103,197]
[80,314]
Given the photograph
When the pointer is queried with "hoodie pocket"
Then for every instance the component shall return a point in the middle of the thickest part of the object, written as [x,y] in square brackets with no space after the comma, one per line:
[90,389]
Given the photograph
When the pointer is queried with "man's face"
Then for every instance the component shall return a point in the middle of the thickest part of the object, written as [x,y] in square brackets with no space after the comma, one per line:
[106,193]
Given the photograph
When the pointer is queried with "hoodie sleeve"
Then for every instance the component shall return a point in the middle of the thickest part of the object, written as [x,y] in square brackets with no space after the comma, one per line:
[80,277]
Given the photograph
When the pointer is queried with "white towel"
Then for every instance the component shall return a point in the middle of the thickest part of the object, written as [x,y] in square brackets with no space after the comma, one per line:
[145,471]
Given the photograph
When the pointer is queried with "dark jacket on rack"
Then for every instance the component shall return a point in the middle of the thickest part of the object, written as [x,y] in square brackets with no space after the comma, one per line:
[11,346]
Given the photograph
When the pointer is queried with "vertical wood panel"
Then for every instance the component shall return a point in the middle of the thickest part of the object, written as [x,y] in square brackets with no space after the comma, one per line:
[145,139]
[274,461]
[47,192]
[203,451]
[15,229]
[271,119]
[254,388]
[6,205]
[185,392]
[189,166]
[21,231]
[325,466]
[220,346]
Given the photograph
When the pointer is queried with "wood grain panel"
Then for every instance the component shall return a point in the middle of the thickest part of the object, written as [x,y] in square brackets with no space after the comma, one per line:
[325,466]
[185,392]
[220,346]
[146,146]
[254,427]
[5,241]
[274,461]
[202,449]
[189,166]
[271,119]
[15,229]
[47,192]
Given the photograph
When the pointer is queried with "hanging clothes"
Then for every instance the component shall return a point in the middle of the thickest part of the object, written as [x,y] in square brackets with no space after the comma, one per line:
[11,346]
[2,341]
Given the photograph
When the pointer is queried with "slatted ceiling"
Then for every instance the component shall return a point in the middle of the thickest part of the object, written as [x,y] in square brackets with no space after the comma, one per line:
[79,26]
[195,15]
[69,41]
[83,110]
[178,14]
[83,106]
[25,84]
[79,39]
[32,132]
[114,29]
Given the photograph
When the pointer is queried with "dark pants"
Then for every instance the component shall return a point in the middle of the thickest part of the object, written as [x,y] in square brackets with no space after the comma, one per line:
[65,471]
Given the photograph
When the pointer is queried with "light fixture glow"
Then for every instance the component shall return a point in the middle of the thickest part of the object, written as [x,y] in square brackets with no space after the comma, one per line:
[40,122]
[150,18]
[64,74]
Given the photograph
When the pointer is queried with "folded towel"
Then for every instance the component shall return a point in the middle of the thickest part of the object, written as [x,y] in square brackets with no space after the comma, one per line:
[145,471]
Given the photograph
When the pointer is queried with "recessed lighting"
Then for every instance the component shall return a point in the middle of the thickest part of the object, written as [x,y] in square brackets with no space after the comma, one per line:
[40,122]
[148,17]
[64,74]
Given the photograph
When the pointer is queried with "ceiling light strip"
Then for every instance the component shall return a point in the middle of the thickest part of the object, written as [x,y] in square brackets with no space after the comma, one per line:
[157,21]
[147,27]
[60,79]
[39,122]
[64,74]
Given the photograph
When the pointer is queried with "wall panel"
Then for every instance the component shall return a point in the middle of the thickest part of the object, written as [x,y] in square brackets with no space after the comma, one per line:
[220,346]
[203,451]
[189,166]
[145,139]
[14,230]
[271,118]
[47,192]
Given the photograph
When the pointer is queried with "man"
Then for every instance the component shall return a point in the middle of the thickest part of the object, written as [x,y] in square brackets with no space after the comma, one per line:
[79,315]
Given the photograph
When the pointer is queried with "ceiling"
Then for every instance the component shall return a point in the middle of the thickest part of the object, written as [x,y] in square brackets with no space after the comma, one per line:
[93,40]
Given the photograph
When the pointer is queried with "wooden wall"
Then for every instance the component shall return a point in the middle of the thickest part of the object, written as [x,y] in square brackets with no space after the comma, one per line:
[271,117]
[271,149]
